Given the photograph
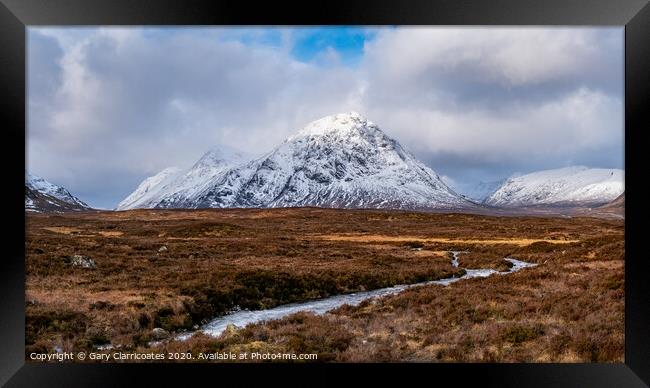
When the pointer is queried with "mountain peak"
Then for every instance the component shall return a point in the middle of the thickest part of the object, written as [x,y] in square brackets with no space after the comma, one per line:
[220,155]
[41,195]
[341,161]
[337,124]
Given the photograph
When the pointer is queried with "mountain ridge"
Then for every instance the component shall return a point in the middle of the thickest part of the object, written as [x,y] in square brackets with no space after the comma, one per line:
[43,196]
[567,186]
[347,161]
[341,160]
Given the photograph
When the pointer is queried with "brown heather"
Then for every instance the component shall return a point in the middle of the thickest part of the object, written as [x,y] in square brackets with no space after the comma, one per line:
[569,308]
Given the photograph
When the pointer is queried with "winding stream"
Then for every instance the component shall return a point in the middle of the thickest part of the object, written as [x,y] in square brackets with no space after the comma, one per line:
[321,306]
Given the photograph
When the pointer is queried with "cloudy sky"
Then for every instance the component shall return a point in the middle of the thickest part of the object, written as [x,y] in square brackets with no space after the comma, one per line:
[108,107]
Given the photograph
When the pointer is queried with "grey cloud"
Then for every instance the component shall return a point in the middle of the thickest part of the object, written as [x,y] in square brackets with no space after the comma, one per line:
[471,120]
[109,107]
[468,69]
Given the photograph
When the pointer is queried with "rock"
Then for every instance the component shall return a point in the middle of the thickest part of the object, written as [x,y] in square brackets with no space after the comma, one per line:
[105,347]
[162,249]
[230,330]
[159,333]
[80,261]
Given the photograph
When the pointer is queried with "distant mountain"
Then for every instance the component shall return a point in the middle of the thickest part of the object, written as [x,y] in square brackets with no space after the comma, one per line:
[149,189]
[570,186]
[43,196]
[618,203]
[174,183]
[340,161]
[480,191]
[617,206]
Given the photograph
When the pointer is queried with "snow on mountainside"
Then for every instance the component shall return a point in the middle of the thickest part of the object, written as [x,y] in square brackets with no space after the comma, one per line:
[43,196]
[481,190]
[342,161]
[149,188]
[576,185]
[181,183]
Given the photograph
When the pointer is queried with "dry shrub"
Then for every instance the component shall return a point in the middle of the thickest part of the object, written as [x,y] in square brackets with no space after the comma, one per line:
[568,308]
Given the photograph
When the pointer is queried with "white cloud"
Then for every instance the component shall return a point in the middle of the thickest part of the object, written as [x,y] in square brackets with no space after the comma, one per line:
[582,119]
[510,56]
[110,106]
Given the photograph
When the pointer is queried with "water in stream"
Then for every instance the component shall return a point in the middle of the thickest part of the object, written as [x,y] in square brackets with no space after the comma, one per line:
[321,306]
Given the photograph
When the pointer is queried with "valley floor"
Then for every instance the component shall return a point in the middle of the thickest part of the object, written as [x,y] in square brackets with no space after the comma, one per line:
[174,270]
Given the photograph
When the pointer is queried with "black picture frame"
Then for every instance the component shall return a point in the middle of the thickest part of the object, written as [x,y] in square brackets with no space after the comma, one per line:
[16,15]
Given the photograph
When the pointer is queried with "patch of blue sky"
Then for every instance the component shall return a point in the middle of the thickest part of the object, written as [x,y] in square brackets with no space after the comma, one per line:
[327,44]
[321,45]
[346,43]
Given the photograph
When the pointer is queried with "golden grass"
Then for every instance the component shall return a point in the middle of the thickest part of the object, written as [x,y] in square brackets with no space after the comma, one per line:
[62,229]
[110,234]
[78,232]
[44,296]
[367,238]
[425,253]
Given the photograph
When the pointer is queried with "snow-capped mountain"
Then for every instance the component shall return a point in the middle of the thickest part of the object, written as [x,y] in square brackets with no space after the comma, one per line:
[577,185]
[149,189]
[176,183]
[43,196]
[342,161]
[480,191]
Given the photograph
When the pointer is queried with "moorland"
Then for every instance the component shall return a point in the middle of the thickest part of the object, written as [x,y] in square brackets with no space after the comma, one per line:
[117,278]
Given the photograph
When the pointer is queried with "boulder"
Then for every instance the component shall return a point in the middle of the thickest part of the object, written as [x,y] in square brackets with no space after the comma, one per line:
[159,333]
[230,330]
[80,261]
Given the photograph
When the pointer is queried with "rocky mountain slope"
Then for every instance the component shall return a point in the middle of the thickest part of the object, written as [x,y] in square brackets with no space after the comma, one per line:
[340,161]
[43,196]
